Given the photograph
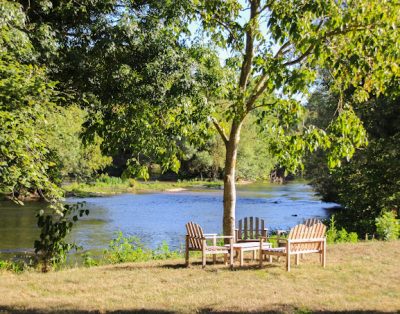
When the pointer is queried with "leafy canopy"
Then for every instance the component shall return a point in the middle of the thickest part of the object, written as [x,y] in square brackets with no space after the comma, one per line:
[277,49]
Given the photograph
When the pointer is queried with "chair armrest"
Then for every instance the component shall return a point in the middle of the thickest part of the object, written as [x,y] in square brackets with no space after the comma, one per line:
[210,234]
[306,240]
[225,237]
[217,237]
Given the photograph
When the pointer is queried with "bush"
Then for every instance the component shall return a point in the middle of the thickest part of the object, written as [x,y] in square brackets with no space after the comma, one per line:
[163,252]
[387,226]
[352,237]
[341,236]
[16,267]
[51,248]
[89,261]
[331,234]
[105,179]
[126,249]
[130,249]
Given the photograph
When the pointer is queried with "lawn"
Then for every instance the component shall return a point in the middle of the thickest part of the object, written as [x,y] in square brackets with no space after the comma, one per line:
[359,278]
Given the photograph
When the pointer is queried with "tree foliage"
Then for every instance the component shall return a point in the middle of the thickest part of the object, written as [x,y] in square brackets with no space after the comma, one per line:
[26,95]
[366,186]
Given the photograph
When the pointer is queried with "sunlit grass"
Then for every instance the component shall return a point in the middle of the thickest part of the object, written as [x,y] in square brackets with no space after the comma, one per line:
[360,277]
[130,186]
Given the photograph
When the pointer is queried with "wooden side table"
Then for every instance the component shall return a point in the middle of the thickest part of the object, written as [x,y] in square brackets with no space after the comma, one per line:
[240,248]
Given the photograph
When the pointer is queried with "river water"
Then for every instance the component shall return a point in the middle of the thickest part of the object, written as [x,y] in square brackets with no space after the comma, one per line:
[157,217]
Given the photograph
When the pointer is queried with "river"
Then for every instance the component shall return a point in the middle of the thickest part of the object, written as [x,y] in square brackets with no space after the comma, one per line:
[157,217]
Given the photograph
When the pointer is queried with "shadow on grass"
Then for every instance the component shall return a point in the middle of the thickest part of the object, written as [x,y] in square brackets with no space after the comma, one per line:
[285,309]
[196,264]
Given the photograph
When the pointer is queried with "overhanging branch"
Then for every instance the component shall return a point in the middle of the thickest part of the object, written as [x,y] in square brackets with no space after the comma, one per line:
[220,130]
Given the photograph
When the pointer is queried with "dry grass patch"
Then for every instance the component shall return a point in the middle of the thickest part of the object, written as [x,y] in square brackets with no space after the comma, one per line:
[360,277]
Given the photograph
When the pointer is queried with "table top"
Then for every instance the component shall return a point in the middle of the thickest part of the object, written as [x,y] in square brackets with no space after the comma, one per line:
[249,245]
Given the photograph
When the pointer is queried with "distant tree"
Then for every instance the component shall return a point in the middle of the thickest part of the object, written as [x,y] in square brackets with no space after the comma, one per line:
[73,159]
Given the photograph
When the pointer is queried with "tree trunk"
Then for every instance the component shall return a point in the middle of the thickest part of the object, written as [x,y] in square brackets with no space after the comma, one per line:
[229,179]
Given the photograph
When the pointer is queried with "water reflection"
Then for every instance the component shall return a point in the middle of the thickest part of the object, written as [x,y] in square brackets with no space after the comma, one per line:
[162,216]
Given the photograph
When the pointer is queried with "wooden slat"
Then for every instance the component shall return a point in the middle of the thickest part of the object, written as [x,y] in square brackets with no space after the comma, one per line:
[245,230]
[199,234]
[251,236]
[262,227]
[240,229]
[258,231]
[195,242]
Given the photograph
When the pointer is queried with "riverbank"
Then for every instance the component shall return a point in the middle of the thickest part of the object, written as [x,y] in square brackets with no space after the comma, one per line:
[119,186]
[359,278]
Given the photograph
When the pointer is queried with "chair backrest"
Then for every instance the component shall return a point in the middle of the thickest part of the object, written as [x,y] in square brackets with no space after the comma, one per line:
[311,221]
[195,234]
[251,228]
[302,232]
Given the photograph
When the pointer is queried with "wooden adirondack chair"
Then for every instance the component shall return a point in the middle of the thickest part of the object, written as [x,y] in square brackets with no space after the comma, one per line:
[311,221]
[250,229]
[196,240]
[302,239]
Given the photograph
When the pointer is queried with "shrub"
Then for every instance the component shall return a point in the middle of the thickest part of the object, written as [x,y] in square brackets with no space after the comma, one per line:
[89,261]
[352,237]
[104,178]
[51,248]
[387,226]
[126,249]
[163,252]
[16,267]
[331,234]
[341,236]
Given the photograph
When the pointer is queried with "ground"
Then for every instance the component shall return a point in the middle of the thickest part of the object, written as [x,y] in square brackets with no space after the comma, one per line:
[359,278]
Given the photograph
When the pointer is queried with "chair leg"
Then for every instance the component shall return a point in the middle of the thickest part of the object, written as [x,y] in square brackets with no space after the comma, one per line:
[261,258]
[270,258]
[324,255]
[187,252]
[241,258]
[288,262]
[214,258]
[203,257]
[225,258]
[297,259]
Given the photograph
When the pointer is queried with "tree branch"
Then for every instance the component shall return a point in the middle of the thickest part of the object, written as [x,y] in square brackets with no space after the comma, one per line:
[282,50]
[220,130]
[301,58]
[260,88]
[249,50]
[263,105]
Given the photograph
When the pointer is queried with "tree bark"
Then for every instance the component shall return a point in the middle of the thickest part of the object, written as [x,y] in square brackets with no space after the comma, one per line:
[230,178]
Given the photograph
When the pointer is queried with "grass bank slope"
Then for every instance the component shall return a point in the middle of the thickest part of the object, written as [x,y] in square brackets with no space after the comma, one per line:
[118,186]
[359,278]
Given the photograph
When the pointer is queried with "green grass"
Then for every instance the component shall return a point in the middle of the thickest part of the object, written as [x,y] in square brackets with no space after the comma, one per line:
[117,186]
